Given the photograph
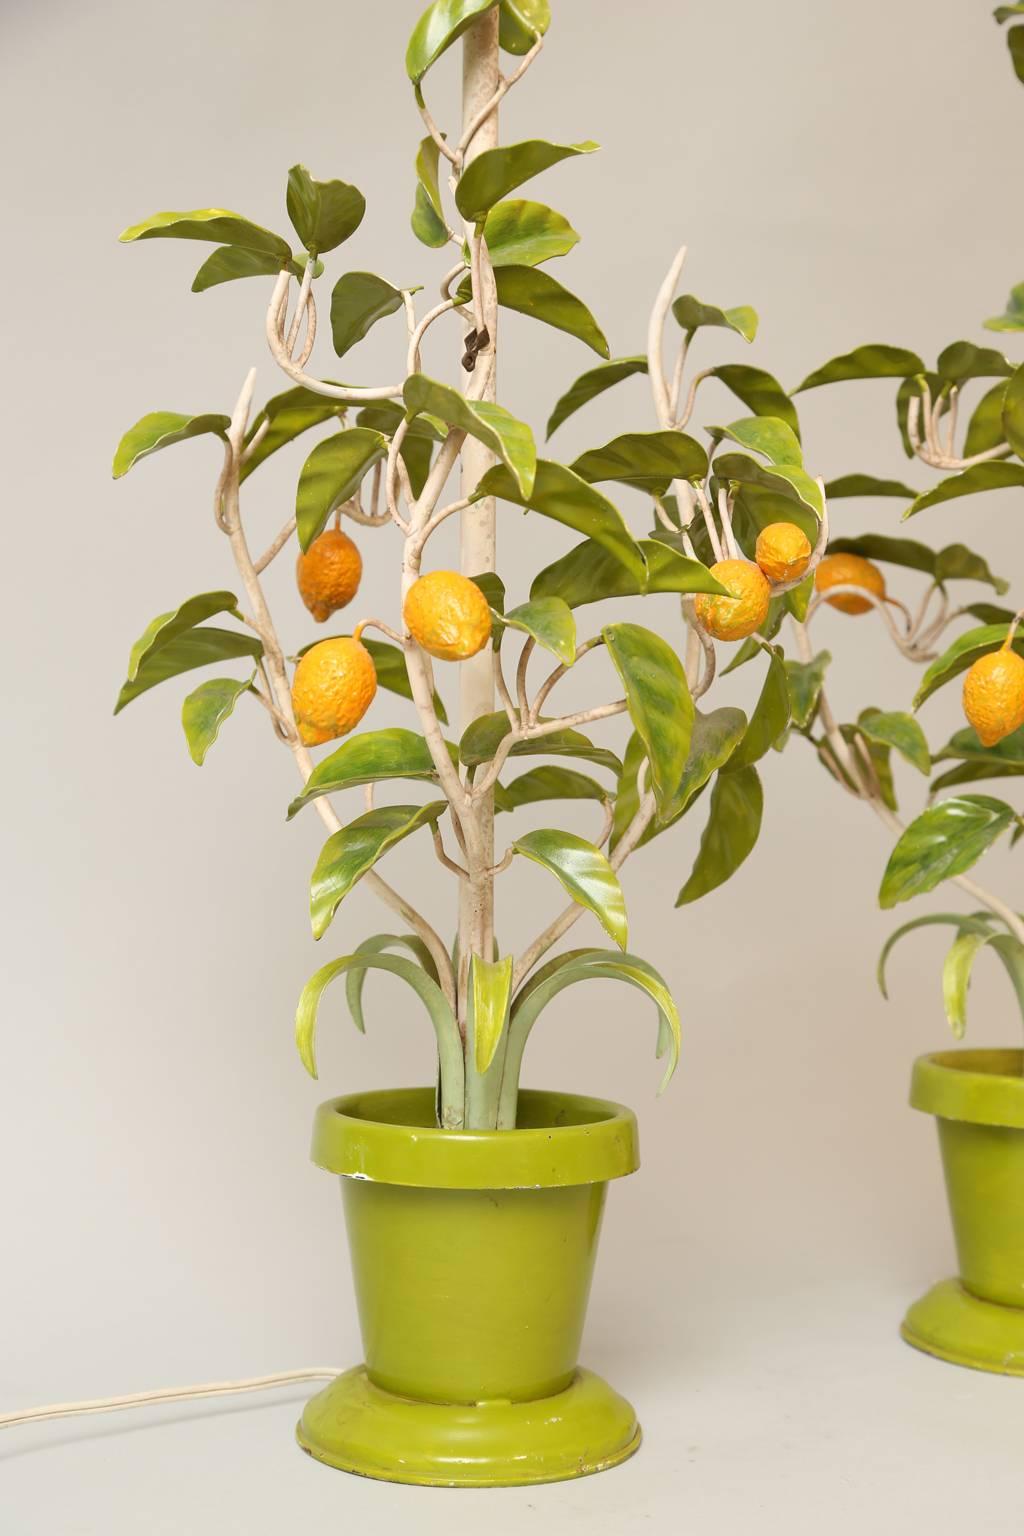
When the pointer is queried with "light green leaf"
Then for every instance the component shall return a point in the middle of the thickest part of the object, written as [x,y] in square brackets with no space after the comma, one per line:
[993,476]
[584,872]
[428,228]
[956,978]
[1013,413]
[349,853]
[161,429]
[734,821]
[446,1030]
[945,840]
[368,759]
[627,790]
[804,680]
[490,993]
[497,172]
[788,480]
[522,234]
[659,701]
[289,415]
[767,435]
[867,485]
[691,313]
[591,384]
[1012,318]
[532,292]
[895,729]
[167,626]
[192,648]
[759,390]
[355,979]
[549,621]
[547,783]
[323,213]
[427,160]
[963,653]
[590,573]
[650,461]
[358,301]
[560,494]
[490,424]
[230,262]
[978,923]
[770,717]
[482,737]
[520,22]
[874,361]
[332,473]
[963,360]
[218,225]
[441,24]
[204,712]
[714,739]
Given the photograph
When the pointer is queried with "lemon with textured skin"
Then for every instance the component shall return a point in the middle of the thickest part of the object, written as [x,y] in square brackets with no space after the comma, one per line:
[328,574]
[783,552]
[448,615]
[745,610]
[994,695]
[849,571]
[332,689]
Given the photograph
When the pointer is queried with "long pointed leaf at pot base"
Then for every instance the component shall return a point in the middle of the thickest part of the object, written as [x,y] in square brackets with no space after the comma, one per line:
[369,758]
[945,840]
[348,854]
[355,978]
[584,872]
[490,424]
[975,923]
[659,702]
[734,821]
[591,384]
[490,987]
[205,710]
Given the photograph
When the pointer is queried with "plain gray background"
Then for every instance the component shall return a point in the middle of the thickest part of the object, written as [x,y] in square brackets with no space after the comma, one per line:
[847,170]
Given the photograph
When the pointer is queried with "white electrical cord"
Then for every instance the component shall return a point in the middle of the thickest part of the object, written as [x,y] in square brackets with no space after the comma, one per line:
[165,1395]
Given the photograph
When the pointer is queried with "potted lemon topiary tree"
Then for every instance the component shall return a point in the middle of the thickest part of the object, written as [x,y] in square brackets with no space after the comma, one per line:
[472,1188]
[977,1096]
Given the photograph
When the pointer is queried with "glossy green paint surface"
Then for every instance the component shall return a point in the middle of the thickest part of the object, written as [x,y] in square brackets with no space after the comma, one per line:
[472,1256]
[978,1098]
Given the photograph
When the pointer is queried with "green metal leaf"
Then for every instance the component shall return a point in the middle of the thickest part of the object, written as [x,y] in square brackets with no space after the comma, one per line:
[659,701]
[956,978]
[368,759]
[428,228]
[958,563]
[333,472]
[497,172]
[482,737]
[963,653]
[519,23]
[985,428]
[804,680]
[591,572]
[997,475]
[591,384]
[874,361]
[161,429]
[770,717]
[288,415]
[627,790]
[205,710]
[788,480]
[867,485]
[490,994]
[650,461]
[520,233]
[895,729]
[1012,318]
[446,1030]
[561,495]
[714,739]
[691,313]
[490,424]
[532,292]
[584,872]
[160,631]
[945,840]
[978,923]
[218,225]
[547,783]
[230,262]
[759,390]
[963,360]
[1013,413]
[199,647]
[964,744]
[734,821]
[323,213]
[767,435]
[1015,43]
[549,621]
[441,24]
[355,979]
[358,301]
[349,853]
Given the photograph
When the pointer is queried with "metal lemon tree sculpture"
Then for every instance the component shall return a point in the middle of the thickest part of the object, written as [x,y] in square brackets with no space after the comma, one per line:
[406,455]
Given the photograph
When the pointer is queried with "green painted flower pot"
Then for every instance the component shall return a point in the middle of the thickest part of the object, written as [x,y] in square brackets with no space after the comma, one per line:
[472,1255]
[978,1318]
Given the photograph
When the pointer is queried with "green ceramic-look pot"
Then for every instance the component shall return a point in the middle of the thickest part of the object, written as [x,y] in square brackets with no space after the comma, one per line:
[978,1318]
[472,1255]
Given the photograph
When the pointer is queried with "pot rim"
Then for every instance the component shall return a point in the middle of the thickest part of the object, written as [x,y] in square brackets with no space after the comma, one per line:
[983,1086]
[388,1136]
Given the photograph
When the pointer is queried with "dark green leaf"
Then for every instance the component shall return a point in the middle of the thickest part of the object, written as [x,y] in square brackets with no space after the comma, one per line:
[590,572]
[560,494]
[193,648]
[355,980]
[482,737]
[767,435]
[204,712]
[965,744]
[1013,413]
[648,460]
[867,485]
[958,563]
[490,424]
[497,172]
[963,360]
[874,361]
[288,415]
[963,653]
[627,790]
[788,480]
[349,853]
[358,301]
[441,24]
[367,759]
[691,313]
[218,225]
[593,383]
[659,702]
[161,429]
[734,821]
[166,626]
[898,730]
[230,262]
[1015,43]
[585,874]
[805,679]
[975,773]
[760,391]
[1012,318]
[912,389]
[985,428]
[993,476]
[770,717]
[333,472]
[520,22]
[549,621]
[878,546]
[538,294]
[547,783]
[428,228]
[945,840]
[713,741]
[323,213]
[522,234]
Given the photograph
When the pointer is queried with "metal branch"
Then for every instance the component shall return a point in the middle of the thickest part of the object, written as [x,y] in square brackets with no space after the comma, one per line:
[504,86]
[280,354]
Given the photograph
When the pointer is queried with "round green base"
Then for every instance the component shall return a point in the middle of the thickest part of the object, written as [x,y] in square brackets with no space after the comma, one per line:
[954,1325]
[356,1427]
